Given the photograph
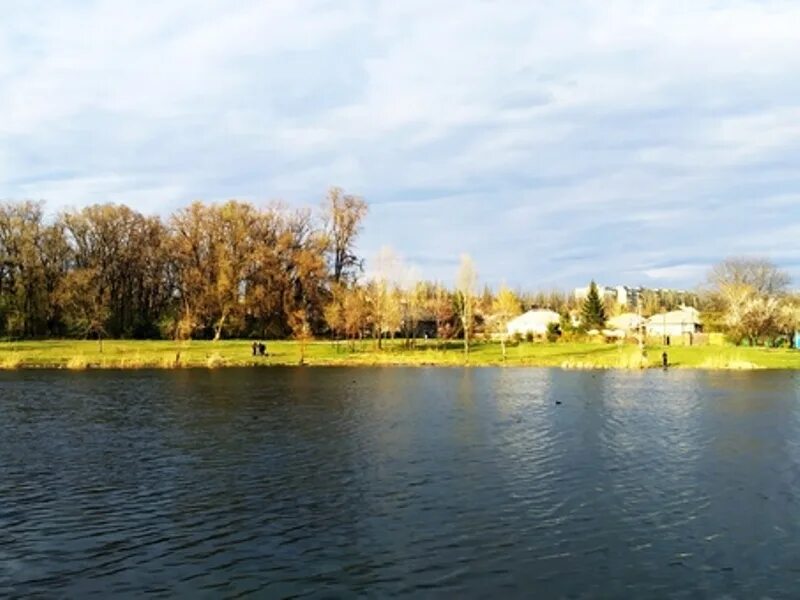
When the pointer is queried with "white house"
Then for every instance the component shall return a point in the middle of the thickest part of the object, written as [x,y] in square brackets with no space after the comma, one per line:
[533,321]
[627,322]
[677,322]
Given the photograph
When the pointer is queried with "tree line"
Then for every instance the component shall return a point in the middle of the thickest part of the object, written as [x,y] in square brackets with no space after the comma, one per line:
[207,270]
[236,270]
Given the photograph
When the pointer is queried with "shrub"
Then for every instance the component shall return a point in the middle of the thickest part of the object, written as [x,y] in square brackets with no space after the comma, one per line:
[78,363]
[215,360]
[11,361]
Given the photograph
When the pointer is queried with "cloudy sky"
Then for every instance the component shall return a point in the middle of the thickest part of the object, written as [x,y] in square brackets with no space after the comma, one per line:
[634,142]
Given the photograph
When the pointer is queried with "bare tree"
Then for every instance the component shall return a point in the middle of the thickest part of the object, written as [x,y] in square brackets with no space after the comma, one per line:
[441,306]
[232,227]
[750,291]
[789,317]
[413,305]
[22,303]
[86,310]
[466,283]
[754,318]
[505,307]
[301,331]
[343,214]
[357,314]
[334,312]
[385,293]
[759,274]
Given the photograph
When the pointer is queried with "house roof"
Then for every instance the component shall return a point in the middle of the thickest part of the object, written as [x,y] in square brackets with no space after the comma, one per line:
[537,315]
[535,321]
[685,315]
[626,321]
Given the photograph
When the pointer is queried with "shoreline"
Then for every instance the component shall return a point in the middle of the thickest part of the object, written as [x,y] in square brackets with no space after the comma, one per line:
[364,365]
[45,367]
[80,355]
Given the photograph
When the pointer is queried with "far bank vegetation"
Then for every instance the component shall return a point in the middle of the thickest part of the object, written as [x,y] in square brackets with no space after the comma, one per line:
[236,270]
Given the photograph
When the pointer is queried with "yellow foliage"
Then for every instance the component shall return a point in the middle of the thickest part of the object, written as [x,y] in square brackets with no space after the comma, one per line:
[77,363]
[11,361]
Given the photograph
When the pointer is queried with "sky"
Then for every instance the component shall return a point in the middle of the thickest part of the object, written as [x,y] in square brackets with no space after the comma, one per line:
[631,142]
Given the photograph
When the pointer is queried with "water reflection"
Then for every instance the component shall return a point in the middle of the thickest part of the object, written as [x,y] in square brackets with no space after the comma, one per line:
[412,482]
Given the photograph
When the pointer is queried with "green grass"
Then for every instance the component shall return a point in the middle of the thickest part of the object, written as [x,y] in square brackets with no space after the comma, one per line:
[132,354]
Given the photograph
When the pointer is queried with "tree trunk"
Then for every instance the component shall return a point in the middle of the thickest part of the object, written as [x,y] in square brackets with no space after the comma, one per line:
[218,327]
[466,320]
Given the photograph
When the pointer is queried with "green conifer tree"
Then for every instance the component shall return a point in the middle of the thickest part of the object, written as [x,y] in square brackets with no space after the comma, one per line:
[593,313]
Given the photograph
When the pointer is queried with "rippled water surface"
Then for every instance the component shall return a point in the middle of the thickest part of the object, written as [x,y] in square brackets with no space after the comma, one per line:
[404,482]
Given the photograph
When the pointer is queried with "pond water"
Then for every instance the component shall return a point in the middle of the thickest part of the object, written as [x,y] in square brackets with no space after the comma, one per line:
[399,482]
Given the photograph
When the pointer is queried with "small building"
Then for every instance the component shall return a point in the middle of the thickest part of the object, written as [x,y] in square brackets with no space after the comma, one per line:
[677,323]
[613,334]
[628,322]
[534,322]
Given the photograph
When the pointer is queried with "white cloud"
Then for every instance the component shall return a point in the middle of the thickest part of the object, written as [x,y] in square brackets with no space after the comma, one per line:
[554,141]
[678,273]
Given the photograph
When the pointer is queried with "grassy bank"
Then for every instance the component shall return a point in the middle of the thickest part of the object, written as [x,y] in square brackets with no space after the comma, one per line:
[131,354]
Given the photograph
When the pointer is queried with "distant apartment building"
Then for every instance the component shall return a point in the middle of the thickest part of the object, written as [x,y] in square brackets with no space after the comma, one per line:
[624,295]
